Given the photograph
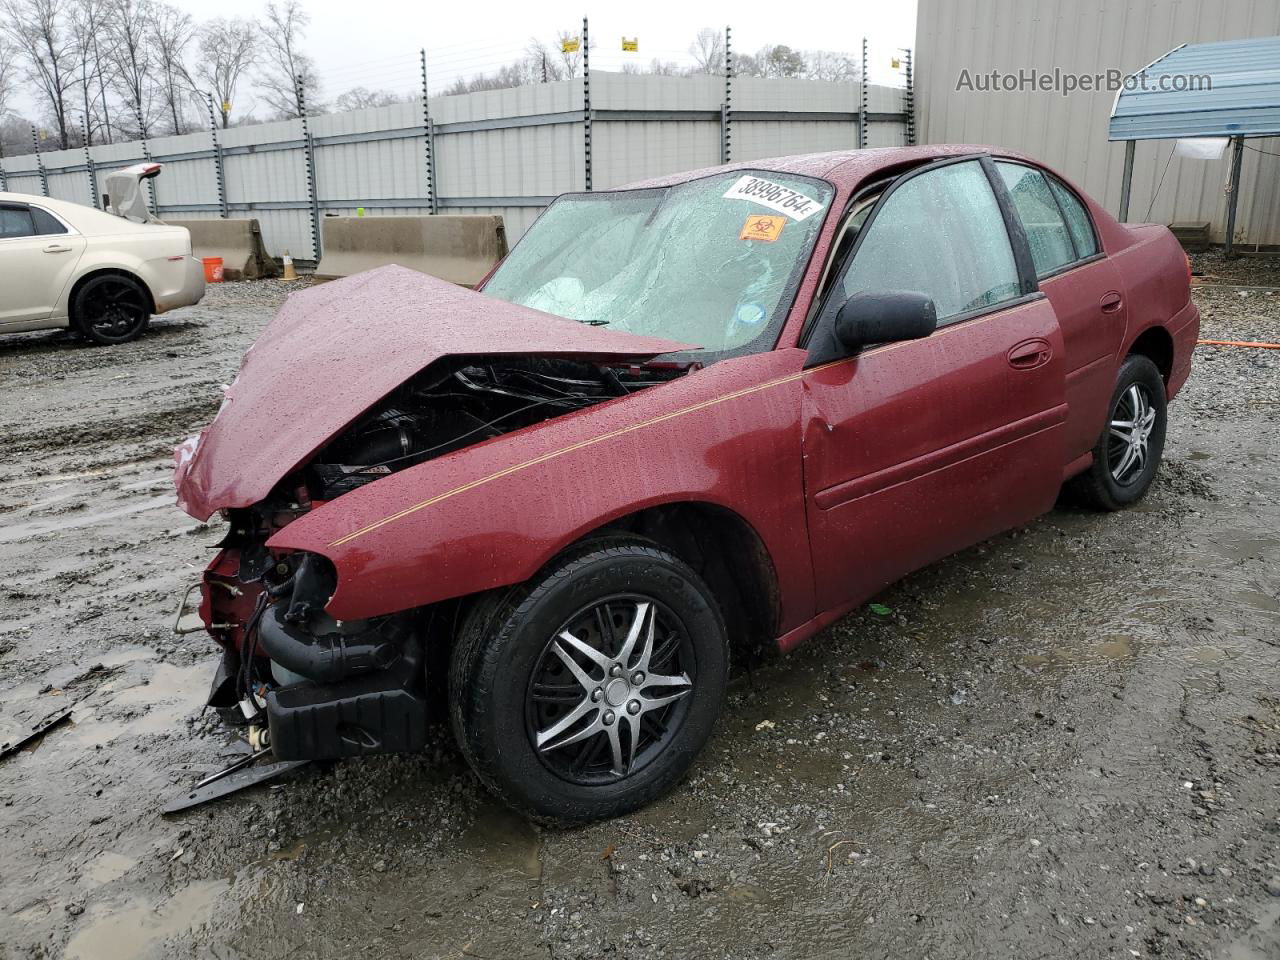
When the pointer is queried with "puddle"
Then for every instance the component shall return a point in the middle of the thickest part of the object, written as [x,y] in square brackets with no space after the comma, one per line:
[136,931]
[108,867]
[1251,947]
[91,730]
[1117,648]
[1247,548]
[159,705]
[1258,600]
[168,684]
[1111,650]
[502,839]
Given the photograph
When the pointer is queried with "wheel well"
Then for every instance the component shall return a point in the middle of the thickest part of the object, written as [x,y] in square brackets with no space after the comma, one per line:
[730,556]
[109,271]
[1157,346]
[716,542]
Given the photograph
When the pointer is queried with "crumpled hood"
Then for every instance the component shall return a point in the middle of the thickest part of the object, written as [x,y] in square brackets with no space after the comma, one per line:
[334,350]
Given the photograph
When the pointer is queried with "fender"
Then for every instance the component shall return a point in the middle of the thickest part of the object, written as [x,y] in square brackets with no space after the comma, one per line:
[493,514]
[135,255]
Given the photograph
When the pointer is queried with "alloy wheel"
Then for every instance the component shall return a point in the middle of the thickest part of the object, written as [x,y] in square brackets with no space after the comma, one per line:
[1132,421]
[610,690]
[114,309]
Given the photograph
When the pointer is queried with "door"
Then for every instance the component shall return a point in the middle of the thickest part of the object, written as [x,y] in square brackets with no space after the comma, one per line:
[914,450]
[38,254]
[1084,288]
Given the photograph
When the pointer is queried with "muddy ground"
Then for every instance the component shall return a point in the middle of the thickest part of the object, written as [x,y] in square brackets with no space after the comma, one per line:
[1062,743]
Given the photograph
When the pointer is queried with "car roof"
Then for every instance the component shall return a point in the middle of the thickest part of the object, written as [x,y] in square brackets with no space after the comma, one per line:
[84,218]
[846,169]
[58,206]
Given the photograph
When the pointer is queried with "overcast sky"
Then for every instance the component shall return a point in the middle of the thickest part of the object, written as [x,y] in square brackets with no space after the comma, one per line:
[459,36]
[375,43]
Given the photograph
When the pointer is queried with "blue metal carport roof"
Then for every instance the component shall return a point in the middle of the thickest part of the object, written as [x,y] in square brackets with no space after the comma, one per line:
[1242,98]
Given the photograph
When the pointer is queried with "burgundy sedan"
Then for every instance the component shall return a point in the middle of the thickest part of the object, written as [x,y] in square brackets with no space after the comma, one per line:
[683,421]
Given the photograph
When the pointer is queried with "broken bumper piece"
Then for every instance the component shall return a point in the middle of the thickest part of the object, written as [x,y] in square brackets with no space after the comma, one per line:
[383,712]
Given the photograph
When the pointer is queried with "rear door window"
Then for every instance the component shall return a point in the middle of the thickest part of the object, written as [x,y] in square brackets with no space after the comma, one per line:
[46,224]
[15,221]
[1047,234]
[1078,220]
[940,233]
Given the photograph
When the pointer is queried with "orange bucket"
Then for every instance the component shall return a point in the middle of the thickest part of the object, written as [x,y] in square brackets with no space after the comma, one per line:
[212,269]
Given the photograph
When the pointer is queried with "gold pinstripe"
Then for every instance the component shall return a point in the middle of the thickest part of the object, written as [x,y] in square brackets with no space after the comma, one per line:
[590,441]
[543,458]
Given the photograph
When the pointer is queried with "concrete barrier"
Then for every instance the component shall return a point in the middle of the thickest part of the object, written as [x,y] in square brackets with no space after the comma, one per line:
[457,248]
[237,242]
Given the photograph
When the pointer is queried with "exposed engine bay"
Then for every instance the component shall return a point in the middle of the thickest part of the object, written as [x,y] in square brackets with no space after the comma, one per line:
[459,402]
[310,686]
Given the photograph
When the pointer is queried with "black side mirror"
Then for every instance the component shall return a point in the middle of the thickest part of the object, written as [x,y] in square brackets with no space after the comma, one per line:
[884,317]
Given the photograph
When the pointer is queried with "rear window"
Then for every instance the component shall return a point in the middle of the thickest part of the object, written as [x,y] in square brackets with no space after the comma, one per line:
[1042,219]
[46,223]
[15,222]
[1078,221]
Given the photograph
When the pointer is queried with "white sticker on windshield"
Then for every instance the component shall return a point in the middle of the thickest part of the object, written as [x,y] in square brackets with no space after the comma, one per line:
[774,196]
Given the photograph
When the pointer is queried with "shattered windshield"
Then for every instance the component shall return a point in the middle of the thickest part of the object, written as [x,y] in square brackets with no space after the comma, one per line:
[709,262]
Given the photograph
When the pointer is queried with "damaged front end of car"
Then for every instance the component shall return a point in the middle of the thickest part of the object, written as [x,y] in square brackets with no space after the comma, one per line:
[309,686]
[304,683]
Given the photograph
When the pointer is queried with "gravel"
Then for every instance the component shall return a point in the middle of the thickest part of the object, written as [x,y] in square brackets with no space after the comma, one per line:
[1062,742]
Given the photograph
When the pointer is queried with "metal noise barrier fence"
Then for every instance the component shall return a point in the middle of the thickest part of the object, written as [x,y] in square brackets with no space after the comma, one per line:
[507,152]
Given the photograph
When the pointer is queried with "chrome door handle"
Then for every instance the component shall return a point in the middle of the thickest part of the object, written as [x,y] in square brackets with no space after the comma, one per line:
[1111,302]
[57,248]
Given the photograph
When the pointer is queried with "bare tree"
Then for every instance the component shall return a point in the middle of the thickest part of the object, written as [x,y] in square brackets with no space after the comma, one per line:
[544,66]
[38,29]
[8,74]
[570,60]
[707,50]
[781,61]
[91,70]
[285,66]
[132,58]
[362,98]
[748,65]
[171,33]
[825,65]
[655,68]
[228,48]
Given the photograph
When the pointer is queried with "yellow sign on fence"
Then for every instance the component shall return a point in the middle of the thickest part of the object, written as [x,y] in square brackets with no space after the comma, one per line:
[630,46]
[569,45]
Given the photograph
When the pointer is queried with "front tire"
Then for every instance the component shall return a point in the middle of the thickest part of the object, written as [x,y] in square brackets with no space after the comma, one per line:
[110,309]
[1127,454]
[587,692]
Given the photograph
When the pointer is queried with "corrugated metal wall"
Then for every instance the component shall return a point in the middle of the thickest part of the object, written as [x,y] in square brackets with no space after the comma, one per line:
[1070,133]
[499,151]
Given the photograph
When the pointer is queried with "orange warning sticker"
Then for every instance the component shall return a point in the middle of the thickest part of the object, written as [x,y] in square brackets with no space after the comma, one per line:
[762,227]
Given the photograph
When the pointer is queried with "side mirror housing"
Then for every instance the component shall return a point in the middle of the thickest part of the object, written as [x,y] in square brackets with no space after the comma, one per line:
[884,316]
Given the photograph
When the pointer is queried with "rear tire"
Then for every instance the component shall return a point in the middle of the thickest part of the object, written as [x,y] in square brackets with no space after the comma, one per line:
[618,726]
[110,309]
[1127,454]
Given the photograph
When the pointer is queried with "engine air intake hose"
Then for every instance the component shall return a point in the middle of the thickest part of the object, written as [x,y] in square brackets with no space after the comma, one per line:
[329,657]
